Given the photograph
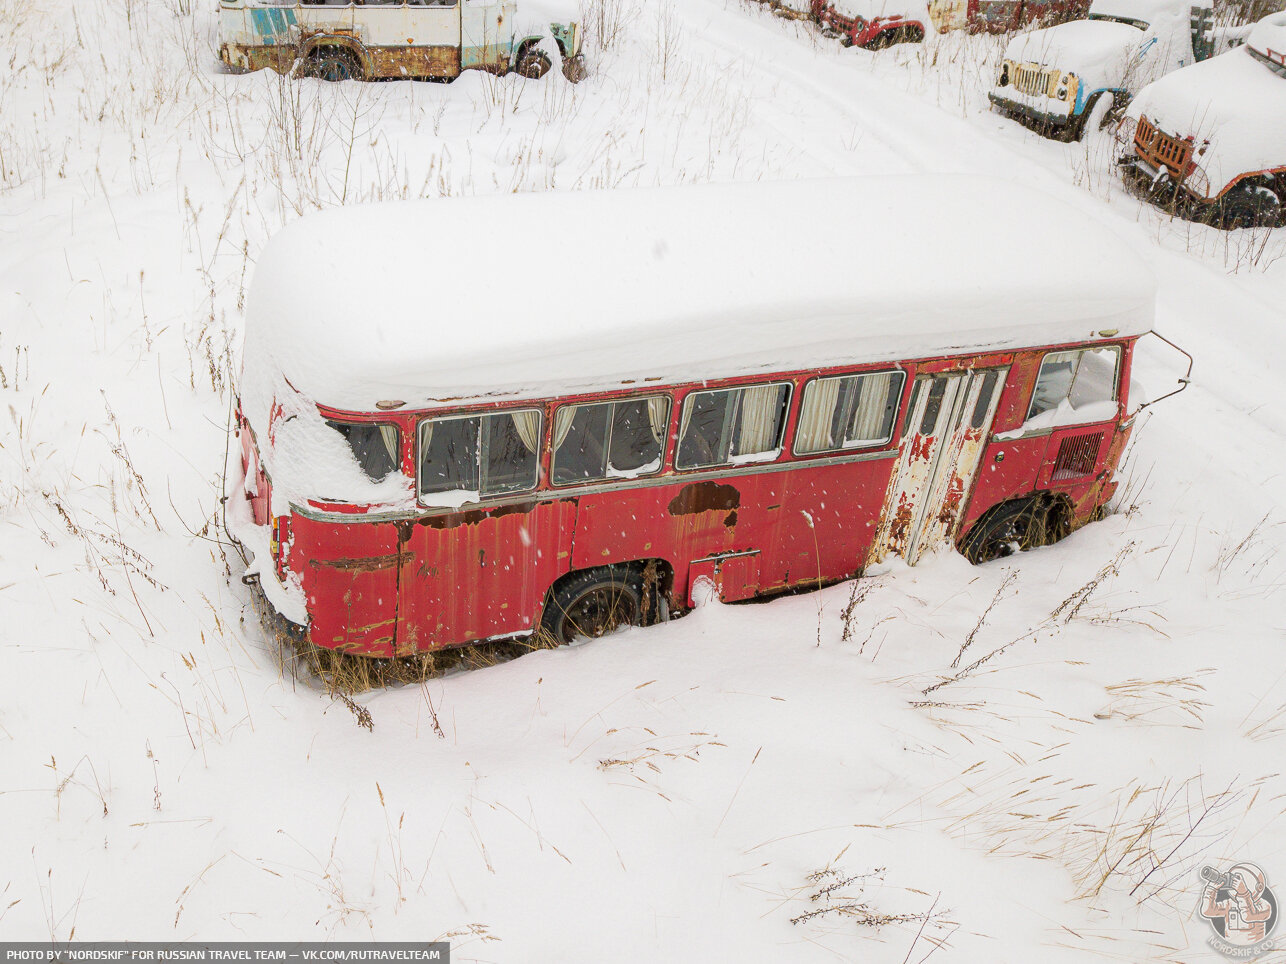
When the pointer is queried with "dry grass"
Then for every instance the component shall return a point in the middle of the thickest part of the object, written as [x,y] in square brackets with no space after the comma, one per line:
[1175,701]
[837,897]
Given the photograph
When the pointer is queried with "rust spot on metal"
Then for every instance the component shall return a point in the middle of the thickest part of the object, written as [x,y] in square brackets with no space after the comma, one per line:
[899,528]
[706,497]
[356,566]
[472,517]
[922,447]
[730,520]
[951,502]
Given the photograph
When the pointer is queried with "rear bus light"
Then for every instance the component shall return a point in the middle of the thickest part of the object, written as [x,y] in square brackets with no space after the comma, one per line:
[278,544]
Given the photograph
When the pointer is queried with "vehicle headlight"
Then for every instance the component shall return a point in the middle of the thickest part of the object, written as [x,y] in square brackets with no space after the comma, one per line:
[1196,180]
[1006,72]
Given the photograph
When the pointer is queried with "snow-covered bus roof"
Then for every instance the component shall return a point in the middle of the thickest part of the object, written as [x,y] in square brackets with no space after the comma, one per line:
[443,302]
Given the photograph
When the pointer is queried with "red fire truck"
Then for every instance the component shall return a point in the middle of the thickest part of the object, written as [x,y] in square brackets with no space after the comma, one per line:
[623,395]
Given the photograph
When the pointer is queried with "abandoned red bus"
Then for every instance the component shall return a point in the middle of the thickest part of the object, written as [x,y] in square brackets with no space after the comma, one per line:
[772,386]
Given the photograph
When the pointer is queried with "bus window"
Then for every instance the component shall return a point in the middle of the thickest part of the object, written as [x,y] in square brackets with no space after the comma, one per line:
[1077,377]
[731,426]
[609,439]
[853,411]
[375,446]
[487,454]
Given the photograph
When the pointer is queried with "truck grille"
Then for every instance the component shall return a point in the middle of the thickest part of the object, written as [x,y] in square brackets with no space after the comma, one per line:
[1161,150]
[1032,79]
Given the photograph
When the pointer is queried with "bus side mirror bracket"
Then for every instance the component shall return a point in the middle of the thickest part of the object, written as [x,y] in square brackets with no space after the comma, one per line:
[1184,380]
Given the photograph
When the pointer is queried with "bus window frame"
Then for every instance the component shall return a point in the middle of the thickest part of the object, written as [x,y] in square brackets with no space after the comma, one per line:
[898,413]
[1114,347]
[786,433]
[557,404]
[541,466]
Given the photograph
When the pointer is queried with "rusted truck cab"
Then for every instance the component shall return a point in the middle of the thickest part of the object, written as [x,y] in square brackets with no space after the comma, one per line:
[384,39]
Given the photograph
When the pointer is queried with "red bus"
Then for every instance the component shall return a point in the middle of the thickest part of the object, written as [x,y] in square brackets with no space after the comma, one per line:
[614,394]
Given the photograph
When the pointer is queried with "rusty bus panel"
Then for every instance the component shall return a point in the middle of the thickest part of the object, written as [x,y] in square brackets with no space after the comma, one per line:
[482,578]
[734,576]
[355,567]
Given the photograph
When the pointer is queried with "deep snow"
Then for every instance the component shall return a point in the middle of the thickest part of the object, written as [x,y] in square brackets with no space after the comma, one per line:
[664,789]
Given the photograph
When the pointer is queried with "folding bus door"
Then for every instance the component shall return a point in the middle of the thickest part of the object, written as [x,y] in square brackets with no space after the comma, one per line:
[947,425]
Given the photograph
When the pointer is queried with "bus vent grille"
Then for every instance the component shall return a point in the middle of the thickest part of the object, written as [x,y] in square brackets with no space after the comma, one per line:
[1077,456]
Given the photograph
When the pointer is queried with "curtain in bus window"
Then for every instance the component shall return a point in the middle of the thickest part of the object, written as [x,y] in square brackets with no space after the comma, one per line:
[580,452]
[527,425]
[762,409]
[658,413]
[375,447]
[635,445]
[449,455]
[563,424]
[509,462]
[874,408]
[821,397]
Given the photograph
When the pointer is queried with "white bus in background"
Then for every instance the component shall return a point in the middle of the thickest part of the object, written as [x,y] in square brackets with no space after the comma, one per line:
[347,40]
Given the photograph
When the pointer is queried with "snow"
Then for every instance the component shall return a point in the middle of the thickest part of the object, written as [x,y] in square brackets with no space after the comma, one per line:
[1062,415]
[863,271]
[1232,101]
[659,792]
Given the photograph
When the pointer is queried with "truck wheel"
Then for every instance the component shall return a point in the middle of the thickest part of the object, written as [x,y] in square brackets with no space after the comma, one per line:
[1250,206]
[594,602]
[574,69]
[533,64]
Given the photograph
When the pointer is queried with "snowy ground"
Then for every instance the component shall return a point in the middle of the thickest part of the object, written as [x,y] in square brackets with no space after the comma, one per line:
[694,788]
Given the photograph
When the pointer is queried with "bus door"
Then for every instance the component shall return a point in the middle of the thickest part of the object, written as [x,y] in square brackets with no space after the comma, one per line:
[484,34]
[947,425]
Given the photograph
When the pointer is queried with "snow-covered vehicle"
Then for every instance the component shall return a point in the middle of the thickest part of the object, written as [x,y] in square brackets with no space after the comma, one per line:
[432,459]
[874,24]
[1002,16]
[1210,139]
[371,39]
[1058,77]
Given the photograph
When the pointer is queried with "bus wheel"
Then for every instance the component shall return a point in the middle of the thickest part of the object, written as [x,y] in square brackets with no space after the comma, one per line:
[1015,526]
[592,603]
[331,63]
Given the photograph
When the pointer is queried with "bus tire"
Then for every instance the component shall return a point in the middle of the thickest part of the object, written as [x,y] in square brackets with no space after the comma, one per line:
[1016,526]
[332,64]
[593,603]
